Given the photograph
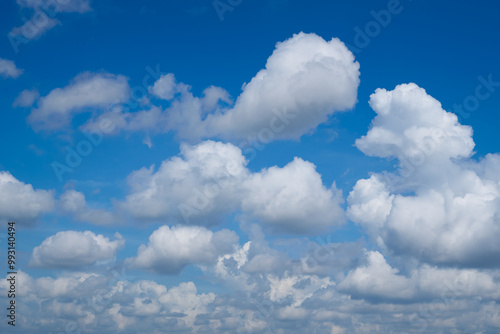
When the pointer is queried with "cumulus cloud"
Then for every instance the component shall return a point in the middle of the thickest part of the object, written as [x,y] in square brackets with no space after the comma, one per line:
[305,80]
[73,203]
[293,198]
[85,92]
[409,122]
[306,76]
[72,249]
[171,249]
[378,281]
[19,201]
[8,69]
[441,206]
[198,187]
[210,180]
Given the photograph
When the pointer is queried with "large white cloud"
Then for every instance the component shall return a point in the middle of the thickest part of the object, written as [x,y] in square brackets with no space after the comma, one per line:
[72,249]
[306,77]
[305,80]
[85,92]
[19,201]
[8,69]
[211,180]
[171,249]
[442,207]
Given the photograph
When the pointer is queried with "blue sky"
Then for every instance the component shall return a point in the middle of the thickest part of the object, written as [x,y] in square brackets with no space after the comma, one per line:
[358,213]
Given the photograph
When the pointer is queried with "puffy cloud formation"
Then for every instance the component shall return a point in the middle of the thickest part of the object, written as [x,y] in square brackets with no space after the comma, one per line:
[380,282]
[210,180]
[8,69]
[171,249]
[371,297]
[198,187]
[73,203]
[409,122]
[72,249]
[305,76]
[19,201]
[306,79]
[293,198]
[82,302]
[85,92]
[442,207]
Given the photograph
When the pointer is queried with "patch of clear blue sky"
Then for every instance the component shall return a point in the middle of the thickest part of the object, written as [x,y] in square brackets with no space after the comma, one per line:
[443,46]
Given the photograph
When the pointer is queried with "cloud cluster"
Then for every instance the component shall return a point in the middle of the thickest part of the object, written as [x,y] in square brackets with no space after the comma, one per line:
[442,207]
[305,80]
[372,297]
[210,180]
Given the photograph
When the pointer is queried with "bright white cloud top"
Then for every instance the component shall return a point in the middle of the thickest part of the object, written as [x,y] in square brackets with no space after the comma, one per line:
[451,217]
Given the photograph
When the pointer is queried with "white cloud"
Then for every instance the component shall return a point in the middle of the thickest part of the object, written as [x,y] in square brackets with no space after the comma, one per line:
[380,282]
[198,187]
[166,87]
[210,180]
[8,69]
[19,201]
[73,203]
[84,302]
[305,76]
[72,249]
[293,198]
[86,91]
[26,98]
[306,79]
[442,207]
[410,122]
[171,249]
